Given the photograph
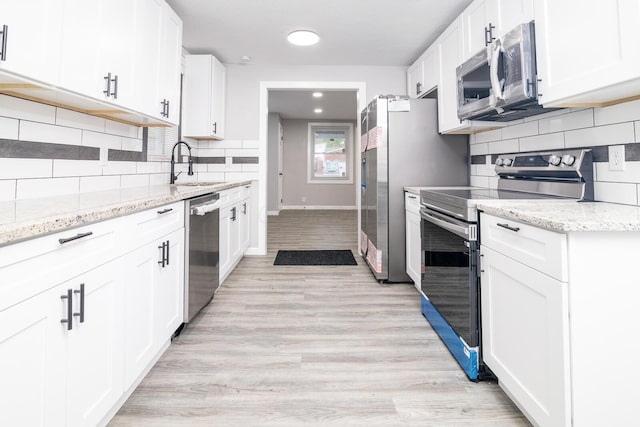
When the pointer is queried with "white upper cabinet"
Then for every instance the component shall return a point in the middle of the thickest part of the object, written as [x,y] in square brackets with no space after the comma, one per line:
[415,79]
[170,65]
[587,53]
[486,20]
[204,85]
[423,75]
[147,55]
[29,30]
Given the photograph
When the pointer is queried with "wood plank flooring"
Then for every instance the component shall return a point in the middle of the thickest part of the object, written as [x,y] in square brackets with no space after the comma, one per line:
[296,345]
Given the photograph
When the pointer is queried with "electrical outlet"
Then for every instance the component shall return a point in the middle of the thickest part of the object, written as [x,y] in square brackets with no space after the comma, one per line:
[616,158]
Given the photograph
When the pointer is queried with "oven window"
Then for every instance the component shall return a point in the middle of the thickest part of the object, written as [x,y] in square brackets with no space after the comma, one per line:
[449,279]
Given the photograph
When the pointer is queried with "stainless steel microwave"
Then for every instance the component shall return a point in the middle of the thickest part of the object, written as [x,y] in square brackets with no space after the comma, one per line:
[499,83]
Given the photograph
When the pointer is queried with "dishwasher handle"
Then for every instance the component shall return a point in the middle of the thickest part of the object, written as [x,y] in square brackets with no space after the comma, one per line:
[204,209]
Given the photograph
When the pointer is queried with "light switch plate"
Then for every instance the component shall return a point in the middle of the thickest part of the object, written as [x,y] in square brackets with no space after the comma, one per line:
[616,158]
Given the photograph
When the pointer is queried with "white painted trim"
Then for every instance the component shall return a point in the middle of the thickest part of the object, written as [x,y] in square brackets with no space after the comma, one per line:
[334,208]
[349,146]
[273,213]
[361,96]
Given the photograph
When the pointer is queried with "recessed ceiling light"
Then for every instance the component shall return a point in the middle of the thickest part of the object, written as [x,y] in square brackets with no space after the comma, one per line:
[317,94]
[245,58]
[318,110]
[303,38]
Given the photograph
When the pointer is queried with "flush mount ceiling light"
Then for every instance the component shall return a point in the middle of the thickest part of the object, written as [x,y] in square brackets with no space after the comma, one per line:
[318,110]
[303,38]
[317,94]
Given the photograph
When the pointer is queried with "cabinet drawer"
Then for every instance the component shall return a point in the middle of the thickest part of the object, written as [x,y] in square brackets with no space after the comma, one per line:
[542,250]
[412,202]
[33,266]
[153,223]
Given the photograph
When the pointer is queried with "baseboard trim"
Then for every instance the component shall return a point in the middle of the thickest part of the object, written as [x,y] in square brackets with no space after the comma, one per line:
[273,213]
[334,208]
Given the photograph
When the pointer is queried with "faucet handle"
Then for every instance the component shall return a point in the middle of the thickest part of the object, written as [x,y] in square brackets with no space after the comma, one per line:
[190,171]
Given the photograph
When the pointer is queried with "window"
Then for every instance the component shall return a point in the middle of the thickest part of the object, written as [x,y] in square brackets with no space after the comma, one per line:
[159,142]
[330,153]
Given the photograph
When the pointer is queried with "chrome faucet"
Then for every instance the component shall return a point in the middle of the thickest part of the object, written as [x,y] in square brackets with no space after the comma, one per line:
[173,177]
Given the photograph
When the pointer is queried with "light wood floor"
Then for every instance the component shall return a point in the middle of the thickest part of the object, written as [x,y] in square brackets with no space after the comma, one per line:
[289,345]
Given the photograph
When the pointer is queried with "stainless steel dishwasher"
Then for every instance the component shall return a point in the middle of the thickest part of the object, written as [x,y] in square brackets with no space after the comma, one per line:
[202,253]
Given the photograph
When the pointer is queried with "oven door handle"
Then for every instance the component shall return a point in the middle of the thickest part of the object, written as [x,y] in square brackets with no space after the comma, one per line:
[432,217]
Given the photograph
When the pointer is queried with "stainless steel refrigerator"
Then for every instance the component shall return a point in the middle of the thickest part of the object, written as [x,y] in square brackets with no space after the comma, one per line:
[399,147]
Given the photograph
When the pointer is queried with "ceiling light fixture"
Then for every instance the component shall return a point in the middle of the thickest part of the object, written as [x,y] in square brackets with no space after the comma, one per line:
[317,94]
[318,110]
[303,38]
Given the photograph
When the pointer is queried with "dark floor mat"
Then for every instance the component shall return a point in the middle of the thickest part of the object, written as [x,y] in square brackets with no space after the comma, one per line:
[323,257]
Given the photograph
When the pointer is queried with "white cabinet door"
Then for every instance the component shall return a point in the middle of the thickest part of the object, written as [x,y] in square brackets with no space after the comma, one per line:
[244,225]
[147,64]
[95,345]
[602,38]
[32,361]
[509,14]
[170,64]
[139,297]
[32,38]
[169,289]
[475,26]
[450,51]
[525,335]
[415,79]
[234,242]
[413,249]
[431,68]
[226,237]
[204,85]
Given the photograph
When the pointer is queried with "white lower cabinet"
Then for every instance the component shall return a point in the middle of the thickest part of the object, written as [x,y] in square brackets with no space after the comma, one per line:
[413,250]
[69,373]
[525,320]
[235,226]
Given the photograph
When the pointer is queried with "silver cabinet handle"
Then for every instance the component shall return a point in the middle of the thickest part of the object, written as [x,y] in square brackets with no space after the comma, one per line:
[508,227]
[76,237]
[69,319]
[81,313]
[5,33]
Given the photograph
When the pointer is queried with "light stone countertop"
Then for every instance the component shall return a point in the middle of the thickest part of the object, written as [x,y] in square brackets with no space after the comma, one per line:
[25,219]
[566,216]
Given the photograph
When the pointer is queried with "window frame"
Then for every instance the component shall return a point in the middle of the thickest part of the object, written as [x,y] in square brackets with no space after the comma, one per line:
[342,126]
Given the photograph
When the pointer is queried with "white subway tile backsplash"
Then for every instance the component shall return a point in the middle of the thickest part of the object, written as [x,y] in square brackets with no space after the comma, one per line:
[25,168]
[625,112]
[131,144]
[250,167]
[99,183]
[485,170]
[240,176]
[616,192]
[548,114]
[9,128]
[42,132]
[248,152]
[149,167]
[250,143]
[488,136]
[227,143]
[77,120]
[7,190]
[493,182]
[216,167]
[121,129]
[621,133]
[637,127]
[506,146]
[479,181]
[119,168]
[631,173]
[62,167]
[478,149]
[95,139]
[158,179]
[211,152]
[520,130]
[26,110]
[549,141]
[128,181]
[212,176]
[47,187]
[575,120]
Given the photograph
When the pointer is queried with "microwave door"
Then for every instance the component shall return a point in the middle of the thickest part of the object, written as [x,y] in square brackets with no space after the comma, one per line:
[519,67]
[474,86]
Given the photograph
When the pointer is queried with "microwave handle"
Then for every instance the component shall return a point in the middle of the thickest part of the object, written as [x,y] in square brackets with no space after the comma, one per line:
[493,71]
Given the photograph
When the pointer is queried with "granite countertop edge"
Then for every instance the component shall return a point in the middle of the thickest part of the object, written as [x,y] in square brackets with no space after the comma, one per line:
[20,230]
[567,216]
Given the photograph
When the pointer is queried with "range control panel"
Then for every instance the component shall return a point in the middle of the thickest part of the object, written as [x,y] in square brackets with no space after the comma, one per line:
[565,160]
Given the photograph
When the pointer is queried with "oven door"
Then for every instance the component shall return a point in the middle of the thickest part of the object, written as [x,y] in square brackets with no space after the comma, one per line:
[450,280]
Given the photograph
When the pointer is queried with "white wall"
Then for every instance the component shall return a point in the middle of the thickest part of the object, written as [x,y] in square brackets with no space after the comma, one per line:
[571,128]
[243,88]
[296,161]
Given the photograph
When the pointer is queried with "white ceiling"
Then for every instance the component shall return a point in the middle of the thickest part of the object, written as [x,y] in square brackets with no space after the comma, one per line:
[299,104]
[352,32]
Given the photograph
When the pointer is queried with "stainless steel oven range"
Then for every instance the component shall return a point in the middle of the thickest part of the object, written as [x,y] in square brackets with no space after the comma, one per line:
[450,242]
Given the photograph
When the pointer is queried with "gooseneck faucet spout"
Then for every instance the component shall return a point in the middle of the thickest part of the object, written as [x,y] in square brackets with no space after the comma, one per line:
[173,177]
